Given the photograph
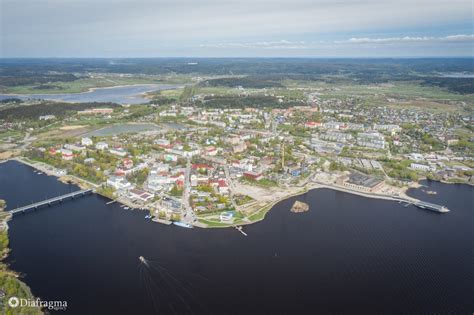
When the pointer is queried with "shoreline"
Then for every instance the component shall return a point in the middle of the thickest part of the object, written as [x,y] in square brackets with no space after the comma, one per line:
[21,289]
[260,212]
[92,89]
[314,186]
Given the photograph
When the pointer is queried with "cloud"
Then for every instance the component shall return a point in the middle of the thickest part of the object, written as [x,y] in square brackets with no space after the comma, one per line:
[286,44]
[409,39]
[281,44]
[173,27]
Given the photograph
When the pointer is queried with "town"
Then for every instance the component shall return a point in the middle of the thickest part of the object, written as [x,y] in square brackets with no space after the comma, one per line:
[198,165]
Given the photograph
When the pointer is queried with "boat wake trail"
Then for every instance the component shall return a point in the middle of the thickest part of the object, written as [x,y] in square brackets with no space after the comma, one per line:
[166,292]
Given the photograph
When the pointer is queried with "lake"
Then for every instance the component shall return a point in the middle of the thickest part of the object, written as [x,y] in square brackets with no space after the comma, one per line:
[347,254]
[129,94]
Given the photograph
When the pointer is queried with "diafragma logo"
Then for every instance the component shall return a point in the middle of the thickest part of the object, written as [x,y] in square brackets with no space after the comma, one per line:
[15,302]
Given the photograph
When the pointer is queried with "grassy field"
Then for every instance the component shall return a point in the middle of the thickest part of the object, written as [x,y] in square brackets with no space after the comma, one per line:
[260,214]
[405,90]
[403,95]
[213,223]
[174,94]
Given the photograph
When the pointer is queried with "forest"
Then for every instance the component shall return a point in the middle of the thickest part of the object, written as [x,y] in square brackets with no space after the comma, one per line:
[255,101]
[430,71]
[59,109]
[256,82]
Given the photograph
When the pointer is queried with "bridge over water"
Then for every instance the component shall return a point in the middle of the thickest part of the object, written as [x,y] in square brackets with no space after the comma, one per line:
[50,201]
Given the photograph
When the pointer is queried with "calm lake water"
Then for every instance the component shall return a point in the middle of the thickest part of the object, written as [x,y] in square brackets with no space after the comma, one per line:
[130,94]
[348,254]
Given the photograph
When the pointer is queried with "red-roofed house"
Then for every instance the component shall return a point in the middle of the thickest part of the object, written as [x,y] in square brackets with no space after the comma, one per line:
[253,175]
[210,151]
[180,183]
[119,172]
[128,164]
[312,124]
[223,187]
[67,154]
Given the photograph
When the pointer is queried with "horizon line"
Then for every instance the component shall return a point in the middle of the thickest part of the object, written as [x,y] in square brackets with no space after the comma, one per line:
[246,57]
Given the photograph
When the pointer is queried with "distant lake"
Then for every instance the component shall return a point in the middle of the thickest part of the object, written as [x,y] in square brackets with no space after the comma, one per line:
[463,75]
[346,255]
[129,94]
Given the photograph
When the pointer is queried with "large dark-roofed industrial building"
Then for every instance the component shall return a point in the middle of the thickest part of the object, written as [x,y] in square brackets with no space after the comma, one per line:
[363,182]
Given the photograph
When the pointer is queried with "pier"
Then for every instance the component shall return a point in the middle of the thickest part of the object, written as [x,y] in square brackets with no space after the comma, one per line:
[239,228]
[50,201]
[431,206]
[424,205]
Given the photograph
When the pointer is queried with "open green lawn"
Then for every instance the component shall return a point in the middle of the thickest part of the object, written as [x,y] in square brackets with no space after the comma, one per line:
[213,223]
[259,215]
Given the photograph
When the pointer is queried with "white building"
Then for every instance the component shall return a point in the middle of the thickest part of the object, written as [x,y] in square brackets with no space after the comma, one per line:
[89,160]
[226,216]
[119,183]
[118,151]
[388,128]
[160,168]
[101,146]
[87,141]
[74,147]
[162,142]
[47,117]
[420,167]
[373,140]
[336,136]
[140,195]
[416,156]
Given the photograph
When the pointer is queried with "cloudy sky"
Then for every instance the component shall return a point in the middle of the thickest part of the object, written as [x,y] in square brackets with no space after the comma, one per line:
[223,28]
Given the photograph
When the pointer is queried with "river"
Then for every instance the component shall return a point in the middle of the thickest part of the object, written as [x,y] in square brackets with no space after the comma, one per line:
[127,94]
[347,254]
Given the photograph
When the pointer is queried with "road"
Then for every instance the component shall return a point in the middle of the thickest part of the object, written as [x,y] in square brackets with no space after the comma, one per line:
[231,186]
[189,216]
[26,141]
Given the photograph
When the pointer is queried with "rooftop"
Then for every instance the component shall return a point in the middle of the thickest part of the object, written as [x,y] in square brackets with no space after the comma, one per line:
[363,180]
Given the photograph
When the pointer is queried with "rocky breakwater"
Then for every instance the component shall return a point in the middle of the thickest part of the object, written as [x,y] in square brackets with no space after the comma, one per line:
[299,207]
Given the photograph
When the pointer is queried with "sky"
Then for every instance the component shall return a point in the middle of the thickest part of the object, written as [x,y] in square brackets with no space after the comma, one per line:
[236,28]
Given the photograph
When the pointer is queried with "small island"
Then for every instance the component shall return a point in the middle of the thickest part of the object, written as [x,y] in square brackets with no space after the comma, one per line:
[299,207]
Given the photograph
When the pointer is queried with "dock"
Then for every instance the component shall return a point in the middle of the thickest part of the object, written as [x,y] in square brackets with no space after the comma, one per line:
[431,206]
[157,220]
[239,228]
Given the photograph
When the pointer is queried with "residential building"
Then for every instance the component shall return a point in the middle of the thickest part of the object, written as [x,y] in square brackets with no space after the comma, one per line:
[119,183]
[101,146]
[86,141]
